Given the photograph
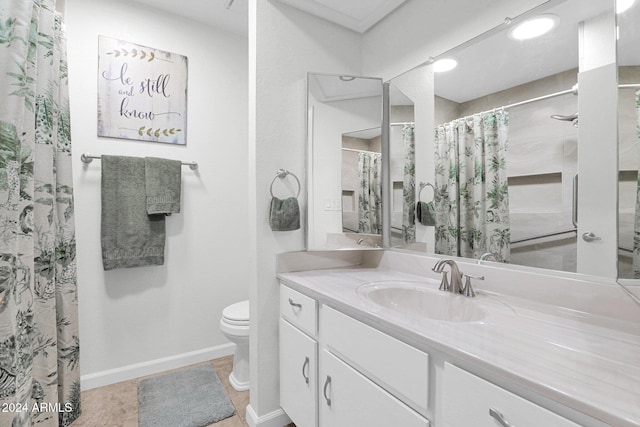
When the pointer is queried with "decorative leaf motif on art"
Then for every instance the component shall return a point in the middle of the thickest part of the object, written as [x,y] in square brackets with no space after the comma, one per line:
[156,132]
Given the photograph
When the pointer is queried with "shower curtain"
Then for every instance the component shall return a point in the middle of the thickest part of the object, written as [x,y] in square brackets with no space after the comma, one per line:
[39,350]
[369,193]
[636,224]
[409,186]
[471,200]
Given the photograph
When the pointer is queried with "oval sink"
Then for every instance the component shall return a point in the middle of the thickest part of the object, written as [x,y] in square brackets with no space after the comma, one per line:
[415,299]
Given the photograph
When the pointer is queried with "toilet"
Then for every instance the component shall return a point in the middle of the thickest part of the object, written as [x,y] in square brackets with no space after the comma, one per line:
[234,325]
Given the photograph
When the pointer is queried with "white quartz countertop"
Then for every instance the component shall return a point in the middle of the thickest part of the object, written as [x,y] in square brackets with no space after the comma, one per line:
[588,363]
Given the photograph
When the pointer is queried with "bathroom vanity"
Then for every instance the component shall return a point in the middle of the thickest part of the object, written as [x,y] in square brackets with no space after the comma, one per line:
[380,345]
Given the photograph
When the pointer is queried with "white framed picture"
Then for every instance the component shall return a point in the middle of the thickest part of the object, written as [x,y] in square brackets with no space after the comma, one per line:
[142,92]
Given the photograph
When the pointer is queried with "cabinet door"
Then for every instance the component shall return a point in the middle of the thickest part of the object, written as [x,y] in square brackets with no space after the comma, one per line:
[298,375]
[472,401]
[349,399]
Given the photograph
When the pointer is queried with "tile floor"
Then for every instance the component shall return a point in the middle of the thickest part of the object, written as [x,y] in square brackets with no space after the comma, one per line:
[116,405]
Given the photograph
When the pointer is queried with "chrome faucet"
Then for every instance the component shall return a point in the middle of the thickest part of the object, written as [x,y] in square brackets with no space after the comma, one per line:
[456,285]
[456,276]
[486,256]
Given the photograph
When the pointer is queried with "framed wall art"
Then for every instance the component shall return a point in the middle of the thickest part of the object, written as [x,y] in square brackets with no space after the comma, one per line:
[142,92]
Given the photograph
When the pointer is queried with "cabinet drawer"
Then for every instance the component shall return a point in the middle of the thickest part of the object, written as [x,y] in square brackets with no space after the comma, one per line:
[468,400]
[349,399]
[396,366]
[299,309]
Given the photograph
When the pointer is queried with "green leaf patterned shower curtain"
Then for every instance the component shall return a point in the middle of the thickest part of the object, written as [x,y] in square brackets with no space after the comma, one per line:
[369,193]
[471,200]
[409,186]
[39,350]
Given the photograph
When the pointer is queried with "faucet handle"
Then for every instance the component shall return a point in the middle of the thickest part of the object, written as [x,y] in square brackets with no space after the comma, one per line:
[467,291]
[444,284]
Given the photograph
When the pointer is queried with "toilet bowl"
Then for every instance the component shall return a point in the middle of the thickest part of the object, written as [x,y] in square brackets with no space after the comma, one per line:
[234,325]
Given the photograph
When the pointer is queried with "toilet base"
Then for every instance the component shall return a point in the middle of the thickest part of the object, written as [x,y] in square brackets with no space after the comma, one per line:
[238,385]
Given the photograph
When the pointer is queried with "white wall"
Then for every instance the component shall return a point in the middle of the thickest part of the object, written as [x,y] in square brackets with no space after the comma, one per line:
[138,315]
[284,44]
[330,121]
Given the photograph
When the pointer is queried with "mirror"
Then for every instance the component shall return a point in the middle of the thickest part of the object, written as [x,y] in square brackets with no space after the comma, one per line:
[496,144]
[629,147]
[344,161]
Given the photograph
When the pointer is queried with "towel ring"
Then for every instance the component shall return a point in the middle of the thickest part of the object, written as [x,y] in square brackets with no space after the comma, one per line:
[423,185]
[282,173]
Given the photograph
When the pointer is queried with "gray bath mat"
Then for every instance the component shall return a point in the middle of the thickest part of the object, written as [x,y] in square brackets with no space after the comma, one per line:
[192,397]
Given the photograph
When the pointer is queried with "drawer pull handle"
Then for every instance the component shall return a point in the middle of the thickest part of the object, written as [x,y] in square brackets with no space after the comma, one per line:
[304,365]
[324,391]
[294,304]
[499,417]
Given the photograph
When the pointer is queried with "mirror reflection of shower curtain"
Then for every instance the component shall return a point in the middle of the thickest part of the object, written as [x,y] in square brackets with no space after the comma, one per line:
[369,193]
[409,186]
[636,222]
[471,200]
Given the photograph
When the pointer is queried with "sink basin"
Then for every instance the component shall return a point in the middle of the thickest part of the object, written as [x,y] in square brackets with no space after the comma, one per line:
[417,299]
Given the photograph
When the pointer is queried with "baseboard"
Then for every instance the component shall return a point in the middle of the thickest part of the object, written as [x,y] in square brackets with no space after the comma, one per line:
[137,370]
[276,418]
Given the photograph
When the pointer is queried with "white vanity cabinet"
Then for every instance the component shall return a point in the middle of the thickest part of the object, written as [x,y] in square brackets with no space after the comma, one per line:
[362,385]
[355,385]
[472,401]
[350,399]
[298,357]
[336,371]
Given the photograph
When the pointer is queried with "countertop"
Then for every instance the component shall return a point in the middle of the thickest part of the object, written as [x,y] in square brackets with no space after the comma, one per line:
[585,362]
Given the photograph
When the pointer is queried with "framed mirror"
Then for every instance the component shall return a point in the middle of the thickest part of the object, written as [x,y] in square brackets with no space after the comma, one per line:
[628,21]
[344,162]
[495,127]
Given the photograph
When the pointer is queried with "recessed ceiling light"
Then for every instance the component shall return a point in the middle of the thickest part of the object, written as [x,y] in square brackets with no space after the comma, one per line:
[623,5]
[445,64]
[534,27]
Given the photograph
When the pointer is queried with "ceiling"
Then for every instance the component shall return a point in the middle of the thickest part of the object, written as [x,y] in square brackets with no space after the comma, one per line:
[499,62]
[209,12]
[357,15]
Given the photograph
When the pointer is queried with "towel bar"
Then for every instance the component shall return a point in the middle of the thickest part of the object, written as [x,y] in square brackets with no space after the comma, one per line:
[88,158]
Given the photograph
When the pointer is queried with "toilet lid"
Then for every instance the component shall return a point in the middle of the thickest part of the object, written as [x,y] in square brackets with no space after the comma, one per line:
[238,312]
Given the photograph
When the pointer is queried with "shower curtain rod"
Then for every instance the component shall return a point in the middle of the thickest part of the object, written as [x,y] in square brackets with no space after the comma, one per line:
[402,123]
[573,90]
[360,151]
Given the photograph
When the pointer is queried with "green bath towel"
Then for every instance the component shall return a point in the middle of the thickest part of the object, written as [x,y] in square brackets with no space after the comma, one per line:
[162,182]
[426,213]
[284,214]
[130,237]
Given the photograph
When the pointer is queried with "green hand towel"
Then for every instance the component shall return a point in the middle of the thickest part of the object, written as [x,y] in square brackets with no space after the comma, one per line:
[426,213]
[284,214]
[162,182]
[130,237]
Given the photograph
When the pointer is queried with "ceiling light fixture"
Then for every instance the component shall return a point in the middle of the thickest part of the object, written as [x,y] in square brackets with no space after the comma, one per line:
[347,78]
[444,64]
[534,27]
[623,5]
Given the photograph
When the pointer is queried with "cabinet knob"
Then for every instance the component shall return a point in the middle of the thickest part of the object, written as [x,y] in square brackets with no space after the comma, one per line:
[499,417]
[304,365]
[327,382]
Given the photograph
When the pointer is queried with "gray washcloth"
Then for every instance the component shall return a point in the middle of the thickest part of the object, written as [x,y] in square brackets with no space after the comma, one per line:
[162,178]
[284,214]
[426,213]
[130,237]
